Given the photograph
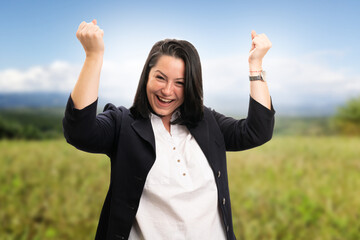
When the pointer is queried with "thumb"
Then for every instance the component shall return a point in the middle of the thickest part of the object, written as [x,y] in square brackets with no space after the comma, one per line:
[94,21]
[253,34]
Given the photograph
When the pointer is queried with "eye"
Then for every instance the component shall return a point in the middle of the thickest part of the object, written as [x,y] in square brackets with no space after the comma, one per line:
[180,83]
[160,77]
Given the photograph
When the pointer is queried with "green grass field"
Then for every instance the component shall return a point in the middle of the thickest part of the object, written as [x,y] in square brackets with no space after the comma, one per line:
[290,188]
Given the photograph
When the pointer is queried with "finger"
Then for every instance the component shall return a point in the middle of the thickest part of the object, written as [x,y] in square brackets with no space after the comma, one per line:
[96,27]
[253,42]
[263,41]
[99,31]
[80,29]
[90,28]
[252,46]
[94,21]
[82,25]
[253,34]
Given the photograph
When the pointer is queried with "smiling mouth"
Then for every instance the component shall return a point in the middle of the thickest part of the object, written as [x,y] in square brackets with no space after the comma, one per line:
[163,100]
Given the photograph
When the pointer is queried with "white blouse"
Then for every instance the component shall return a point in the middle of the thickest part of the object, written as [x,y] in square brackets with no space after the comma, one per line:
[179,200]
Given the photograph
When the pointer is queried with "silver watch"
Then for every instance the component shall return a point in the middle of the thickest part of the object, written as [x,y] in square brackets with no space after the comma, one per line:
[261,77]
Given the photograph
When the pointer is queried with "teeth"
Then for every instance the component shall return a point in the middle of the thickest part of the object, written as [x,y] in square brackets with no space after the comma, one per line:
[164,100]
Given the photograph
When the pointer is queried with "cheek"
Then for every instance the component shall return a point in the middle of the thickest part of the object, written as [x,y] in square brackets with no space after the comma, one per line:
[181,95]
[152,86]
[148,92]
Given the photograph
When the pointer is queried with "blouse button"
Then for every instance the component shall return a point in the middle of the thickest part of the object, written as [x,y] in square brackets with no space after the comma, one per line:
[174,148]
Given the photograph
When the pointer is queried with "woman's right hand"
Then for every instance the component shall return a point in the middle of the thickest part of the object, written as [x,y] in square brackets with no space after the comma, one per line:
[91,37]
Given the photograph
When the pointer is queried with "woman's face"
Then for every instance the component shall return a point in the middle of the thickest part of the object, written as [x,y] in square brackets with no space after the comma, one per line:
[165,86]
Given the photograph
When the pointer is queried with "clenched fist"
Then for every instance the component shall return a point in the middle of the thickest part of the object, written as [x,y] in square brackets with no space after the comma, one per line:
[91,37]
[259,47]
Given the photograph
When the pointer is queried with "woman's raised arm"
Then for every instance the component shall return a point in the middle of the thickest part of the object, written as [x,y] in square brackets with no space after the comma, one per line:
[259,47]
[86,88]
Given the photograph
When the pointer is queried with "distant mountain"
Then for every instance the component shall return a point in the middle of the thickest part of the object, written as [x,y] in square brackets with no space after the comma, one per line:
[38,100]
[33,99]
[54,99]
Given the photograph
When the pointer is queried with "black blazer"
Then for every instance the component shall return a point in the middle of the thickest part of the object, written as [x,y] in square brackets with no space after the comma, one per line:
[130,144]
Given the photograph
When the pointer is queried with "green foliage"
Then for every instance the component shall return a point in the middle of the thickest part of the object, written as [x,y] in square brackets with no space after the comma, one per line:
[347,117]
[35,123]
[303,126]
[9,129]
[290,188]
[30,123]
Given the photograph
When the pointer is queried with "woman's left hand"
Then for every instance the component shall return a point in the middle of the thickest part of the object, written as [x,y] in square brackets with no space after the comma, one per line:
[259,47]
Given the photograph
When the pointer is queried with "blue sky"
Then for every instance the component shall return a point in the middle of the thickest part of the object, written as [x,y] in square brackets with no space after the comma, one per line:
[312,65]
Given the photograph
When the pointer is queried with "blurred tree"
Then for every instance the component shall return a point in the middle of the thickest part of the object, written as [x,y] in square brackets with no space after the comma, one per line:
[9,129]
[347,118]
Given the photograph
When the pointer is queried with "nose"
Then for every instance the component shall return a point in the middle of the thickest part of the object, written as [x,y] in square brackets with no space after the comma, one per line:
[168,88]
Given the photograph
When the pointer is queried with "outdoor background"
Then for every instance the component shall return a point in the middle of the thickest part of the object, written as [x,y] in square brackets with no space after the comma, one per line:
[303,184]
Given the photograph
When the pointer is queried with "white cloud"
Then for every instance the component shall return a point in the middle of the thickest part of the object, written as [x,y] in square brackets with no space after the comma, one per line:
[293,81]
[309,80]
[58,76]
[118,80]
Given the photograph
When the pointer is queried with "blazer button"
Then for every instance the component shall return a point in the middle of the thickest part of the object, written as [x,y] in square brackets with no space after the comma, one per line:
[132,207]
[138,178]
[227,228]
[119,236]
[219,174]
[223,202]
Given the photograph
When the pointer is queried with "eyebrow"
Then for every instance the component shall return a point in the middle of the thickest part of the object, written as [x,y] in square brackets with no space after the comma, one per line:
[167,76]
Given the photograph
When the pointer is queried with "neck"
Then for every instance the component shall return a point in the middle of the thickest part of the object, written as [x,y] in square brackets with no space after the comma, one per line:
[166,122]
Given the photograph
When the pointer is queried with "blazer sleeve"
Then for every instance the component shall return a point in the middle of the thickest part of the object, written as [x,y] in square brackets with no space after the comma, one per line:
[90,132]
[247,133]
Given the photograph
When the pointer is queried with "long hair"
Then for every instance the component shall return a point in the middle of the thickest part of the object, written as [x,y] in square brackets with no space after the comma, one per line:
[192,110]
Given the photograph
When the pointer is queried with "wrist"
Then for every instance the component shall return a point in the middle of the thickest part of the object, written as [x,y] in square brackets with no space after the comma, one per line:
[255,72]
[94,60]
[95,55]
[255,66]
[257,75]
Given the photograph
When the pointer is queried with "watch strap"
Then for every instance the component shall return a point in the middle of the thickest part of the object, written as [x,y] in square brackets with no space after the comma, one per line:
[260,77]
[256,78]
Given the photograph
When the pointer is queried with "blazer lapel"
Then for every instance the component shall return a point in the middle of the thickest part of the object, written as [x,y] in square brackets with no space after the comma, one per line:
[144,129]
[201,134]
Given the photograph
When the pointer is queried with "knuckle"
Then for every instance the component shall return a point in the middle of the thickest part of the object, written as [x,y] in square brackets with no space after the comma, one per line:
[80,34]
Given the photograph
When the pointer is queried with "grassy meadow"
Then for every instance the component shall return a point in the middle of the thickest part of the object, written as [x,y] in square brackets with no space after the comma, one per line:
[291,188]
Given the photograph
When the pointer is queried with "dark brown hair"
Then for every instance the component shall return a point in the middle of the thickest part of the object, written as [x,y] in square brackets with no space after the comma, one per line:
[192,110]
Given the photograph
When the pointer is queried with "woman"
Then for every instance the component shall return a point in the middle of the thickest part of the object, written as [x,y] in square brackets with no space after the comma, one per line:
[168,161]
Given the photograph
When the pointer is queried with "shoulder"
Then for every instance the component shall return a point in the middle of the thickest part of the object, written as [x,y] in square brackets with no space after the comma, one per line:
[112,107]
[211,114]
[118,113]
[212,117]
[121,114]
[208,111]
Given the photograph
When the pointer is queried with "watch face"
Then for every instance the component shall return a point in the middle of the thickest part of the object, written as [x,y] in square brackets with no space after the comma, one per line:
[263,75]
